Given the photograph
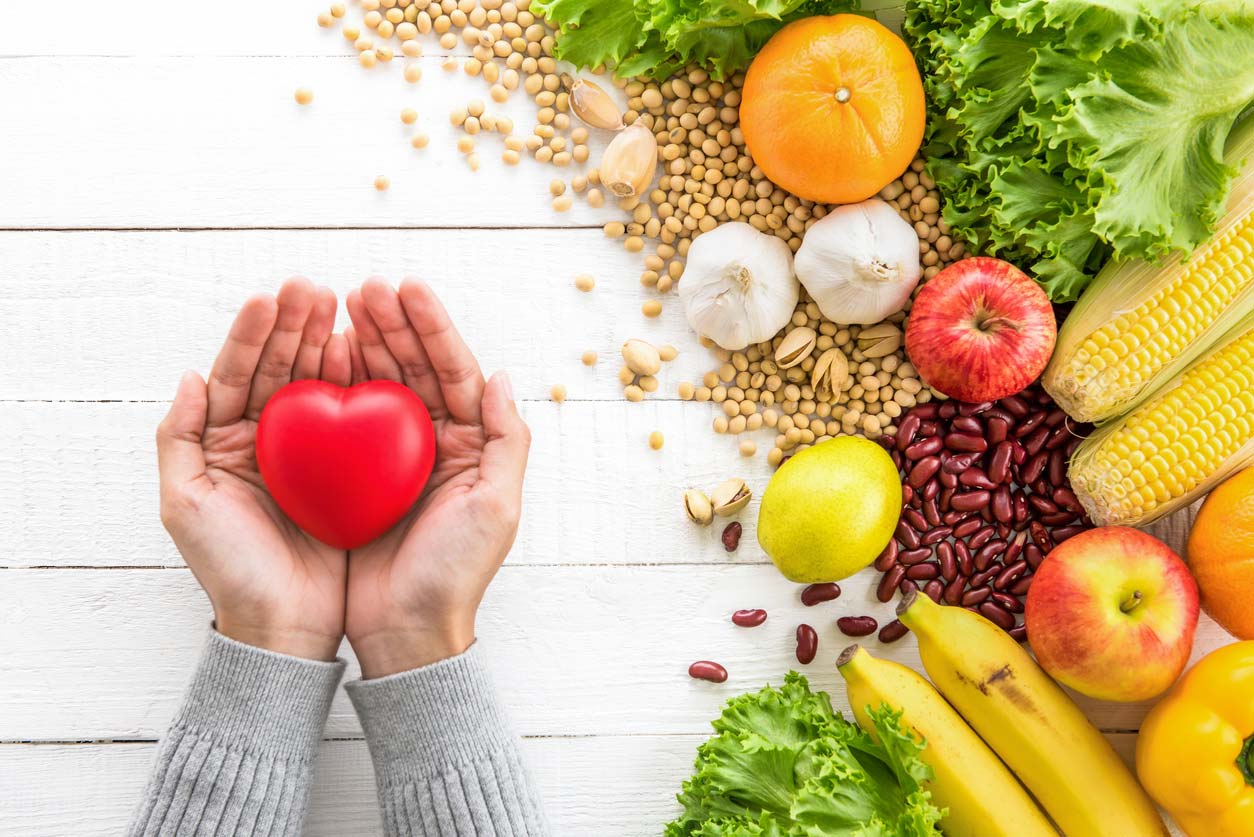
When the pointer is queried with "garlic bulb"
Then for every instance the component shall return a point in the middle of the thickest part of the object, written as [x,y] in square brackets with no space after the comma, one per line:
[860,262]
[738,286]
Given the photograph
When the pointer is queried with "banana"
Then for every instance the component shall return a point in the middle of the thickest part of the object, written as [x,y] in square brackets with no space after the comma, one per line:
[1030,722]
[983,797]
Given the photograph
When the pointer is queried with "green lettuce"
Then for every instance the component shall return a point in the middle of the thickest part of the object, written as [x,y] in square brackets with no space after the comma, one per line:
[1062,132]
[783,764]
[655,38]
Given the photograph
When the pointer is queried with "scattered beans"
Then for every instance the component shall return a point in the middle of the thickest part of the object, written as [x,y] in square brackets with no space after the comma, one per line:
[707,670]
[893,631]
[303,95]
[857,625]
[818,593]
[749,618]
[807,644]
[656,440]
[731,536]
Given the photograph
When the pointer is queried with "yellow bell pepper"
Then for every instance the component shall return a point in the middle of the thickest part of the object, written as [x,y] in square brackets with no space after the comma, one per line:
[1195,753]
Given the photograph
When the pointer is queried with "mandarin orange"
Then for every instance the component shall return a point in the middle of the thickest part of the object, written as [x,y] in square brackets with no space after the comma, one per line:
[832,108]
[1221,554]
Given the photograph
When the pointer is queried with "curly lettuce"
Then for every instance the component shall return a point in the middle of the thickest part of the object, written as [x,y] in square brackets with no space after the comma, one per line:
[1062,132]
[783,764]
[655,38]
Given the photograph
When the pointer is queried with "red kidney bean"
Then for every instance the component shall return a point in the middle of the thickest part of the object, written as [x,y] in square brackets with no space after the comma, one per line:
[974,597]
[931,511]
[822,592]
[933,589]
[1019,633]
[924,448]
[997,614]
[945,559]
[909,557]
[707,670]
[999,462]
[857,625]
[749,618]
[1058,519]
[907,492]
[1010,574]
[970,500]
[1065,498]
[923,572]
[1040,536]
[1015,405]
[731,536]
[906,587]
[957,463]
[1008,602]
[893,631]
[1028,423]
[1020,587]
[917,502]
[936,535]
[1002,510]
[1041,486]
[948,480]
[888,442]
[807,644]
[982,578]
[967,527]
[1058,438]
[896,458]
[1055,417]
[966,443]
[982,536]
[948,410]
[1056,470]
[1042,504]
[1072,445]
[888,583]
[1035,443]
[916,519]
[1065,532]
[929,428]
[973,477]
[886,559]
[923,471]
[962,554]
[908,537]
[953,590]
[1004,530]
[987,514]
[1022,512]
[972,408]
[984,558]
[967,424]
[931,491]
[1020,454]
[1033,468]
[1015,548]
[926,411]
[998,430]
[906,430]
[1033,555]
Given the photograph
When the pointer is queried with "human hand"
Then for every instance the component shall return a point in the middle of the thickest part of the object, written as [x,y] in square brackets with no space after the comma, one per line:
[413,593]
[271,585]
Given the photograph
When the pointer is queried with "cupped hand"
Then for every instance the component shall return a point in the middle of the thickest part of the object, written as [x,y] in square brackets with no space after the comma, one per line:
[413,594]
[271,585]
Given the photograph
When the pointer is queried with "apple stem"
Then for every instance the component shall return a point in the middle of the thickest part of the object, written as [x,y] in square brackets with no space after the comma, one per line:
[1245,761]
[1132,602]
[991,323]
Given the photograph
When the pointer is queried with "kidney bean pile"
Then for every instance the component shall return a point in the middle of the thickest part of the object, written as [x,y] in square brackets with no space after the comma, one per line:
[986,497]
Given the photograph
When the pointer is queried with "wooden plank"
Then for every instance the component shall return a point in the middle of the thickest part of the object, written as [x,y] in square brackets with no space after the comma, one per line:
[91,654]
[99,315]
[610,786]
[219,142]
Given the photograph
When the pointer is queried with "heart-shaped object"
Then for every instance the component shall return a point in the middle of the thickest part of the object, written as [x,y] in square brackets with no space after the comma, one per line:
[345,464]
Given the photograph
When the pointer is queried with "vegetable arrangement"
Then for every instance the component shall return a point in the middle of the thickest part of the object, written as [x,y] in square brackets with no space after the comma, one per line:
[1063,133]
[655,39]
[783,764]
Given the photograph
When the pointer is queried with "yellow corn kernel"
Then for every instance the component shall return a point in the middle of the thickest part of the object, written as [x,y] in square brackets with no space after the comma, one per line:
[1176,445]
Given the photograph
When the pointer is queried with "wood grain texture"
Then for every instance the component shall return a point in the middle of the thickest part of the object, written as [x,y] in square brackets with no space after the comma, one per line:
[100,315]
[91,654]
[608,786]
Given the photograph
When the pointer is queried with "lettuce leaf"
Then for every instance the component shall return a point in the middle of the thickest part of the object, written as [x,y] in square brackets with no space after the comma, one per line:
[1062,132]
[783,764]
[657,37]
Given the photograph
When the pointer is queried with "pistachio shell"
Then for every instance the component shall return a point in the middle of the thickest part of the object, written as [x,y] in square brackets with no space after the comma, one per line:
[730,497]
[698,507]
[795,347]
[830,372]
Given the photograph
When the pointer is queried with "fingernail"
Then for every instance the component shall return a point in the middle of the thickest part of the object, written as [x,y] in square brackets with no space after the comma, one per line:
[507,385]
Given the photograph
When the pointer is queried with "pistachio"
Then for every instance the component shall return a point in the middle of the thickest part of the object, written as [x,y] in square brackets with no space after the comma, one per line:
[795,347]
[698,507]
[730,497]
[641,357]
[830,372]
[594,107]
[879,340]
[629,162]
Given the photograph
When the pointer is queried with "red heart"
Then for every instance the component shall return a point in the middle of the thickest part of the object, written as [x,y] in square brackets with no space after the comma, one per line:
[345,464]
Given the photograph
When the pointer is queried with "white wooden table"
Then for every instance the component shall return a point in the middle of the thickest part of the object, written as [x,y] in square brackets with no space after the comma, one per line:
[154,171]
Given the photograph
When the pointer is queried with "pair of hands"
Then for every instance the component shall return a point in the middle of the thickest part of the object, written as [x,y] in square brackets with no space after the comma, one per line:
[405,600]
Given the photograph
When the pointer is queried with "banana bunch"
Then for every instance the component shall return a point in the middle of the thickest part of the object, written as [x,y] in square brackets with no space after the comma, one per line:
[1012,710]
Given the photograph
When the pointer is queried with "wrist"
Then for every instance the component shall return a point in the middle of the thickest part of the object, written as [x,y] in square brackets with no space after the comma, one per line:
[294,642]
[391,651]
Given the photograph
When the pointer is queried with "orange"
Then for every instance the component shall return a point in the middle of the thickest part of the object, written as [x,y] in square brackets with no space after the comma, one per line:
[1221,554]
[832,108]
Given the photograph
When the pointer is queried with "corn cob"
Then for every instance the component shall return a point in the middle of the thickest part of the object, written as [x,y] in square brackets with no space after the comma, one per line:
[1139,324]
[1180,442]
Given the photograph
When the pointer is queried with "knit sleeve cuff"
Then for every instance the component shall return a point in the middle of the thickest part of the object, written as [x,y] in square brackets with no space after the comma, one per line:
[259,699]
[422,721]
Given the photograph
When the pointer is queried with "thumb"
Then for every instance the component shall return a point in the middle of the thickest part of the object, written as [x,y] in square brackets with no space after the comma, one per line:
[180,457]
[508,438]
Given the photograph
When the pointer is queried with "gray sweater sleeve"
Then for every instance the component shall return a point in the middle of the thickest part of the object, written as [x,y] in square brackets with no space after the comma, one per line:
[238,758]
[446,761]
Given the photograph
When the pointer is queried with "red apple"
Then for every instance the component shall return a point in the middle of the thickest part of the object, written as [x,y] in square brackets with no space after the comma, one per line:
[980,330]
[1111,613]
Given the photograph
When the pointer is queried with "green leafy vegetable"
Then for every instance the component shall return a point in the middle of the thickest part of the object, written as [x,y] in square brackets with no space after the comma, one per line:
[1062,132]
[655,38]
[782,764]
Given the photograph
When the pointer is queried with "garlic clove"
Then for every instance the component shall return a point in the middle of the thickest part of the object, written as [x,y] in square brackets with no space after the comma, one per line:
[629,162]
[593,106]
